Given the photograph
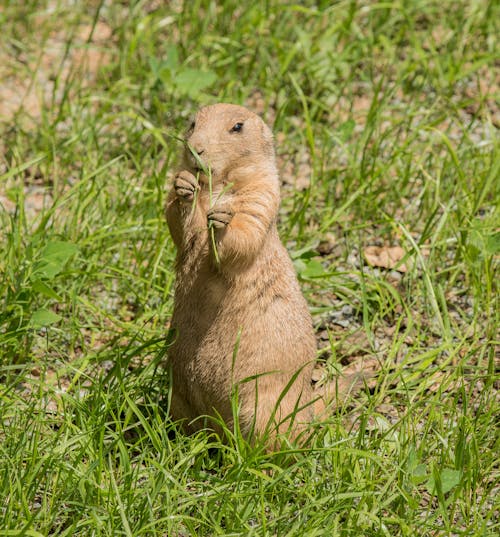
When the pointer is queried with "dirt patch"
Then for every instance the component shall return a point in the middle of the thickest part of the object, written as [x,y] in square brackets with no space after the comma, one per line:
[40,74]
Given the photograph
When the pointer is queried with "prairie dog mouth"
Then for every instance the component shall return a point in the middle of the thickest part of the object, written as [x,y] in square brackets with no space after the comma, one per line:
[197,165]
[200,175]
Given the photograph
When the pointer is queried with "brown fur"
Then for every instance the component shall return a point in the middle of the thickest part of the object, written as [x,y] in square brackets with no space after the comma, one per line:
[242,315]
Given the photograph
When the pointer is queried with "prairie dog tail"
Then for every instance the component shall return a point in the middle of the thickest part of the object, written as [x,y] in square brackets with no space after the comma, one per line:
[334,393]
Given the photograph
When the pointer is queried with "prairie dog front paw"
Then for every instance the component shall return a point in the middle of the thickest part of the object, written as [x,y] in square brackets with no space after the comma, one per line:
[220,215]
[185,185]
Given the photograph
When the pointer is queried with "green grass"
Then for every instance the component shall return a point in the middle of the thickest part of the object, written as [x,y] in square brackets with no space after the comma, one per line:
[387,115]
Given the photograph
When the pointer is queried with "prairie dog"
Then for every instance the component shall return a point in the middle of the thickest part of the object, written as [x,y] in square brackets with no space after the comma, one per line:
[240,318]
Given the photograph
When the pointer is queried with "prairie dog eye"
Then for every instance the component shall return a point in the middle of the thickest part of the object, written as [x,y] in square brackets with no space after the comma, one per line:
[237,127]
[192,126]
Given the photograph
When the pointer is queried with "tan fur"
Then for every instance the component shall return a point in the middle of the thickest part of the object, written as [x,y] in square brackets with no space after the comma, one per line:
[242,316]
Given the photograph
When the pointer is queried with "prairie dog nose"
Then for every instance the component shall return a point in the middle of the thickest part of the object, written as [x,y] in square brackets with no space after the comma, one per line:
[195,143]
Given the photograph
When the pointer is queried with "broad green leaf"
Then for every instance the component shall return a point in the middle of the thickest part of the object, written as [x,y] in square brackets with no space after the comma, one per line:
[192,81]
[493,243]
[299,265]
[449,478]
[313,269]
[304,253]
[43,317]
[308,267]
[53,258]
[419,473]
[172,60]
[41,287]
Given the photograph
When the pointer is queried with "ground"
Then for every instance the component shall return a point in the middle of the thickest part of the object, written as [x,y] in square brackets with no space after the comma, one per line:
[386,124]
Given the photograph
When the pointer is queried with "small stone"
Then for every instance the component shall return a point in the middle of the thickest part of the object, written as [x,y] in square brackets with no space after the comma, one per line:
[327,244]
[347,310]
[344,323]
[323,335]
[394,276]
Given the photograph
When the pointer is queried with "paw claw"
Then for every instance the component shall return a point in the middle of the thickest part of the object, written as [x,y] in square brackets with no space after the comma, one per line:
[185,185]
[220,216]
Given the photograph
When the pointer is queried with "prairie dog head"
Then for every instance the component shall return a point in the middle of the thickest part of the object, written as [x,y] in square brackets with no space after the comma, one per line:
[230,141]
